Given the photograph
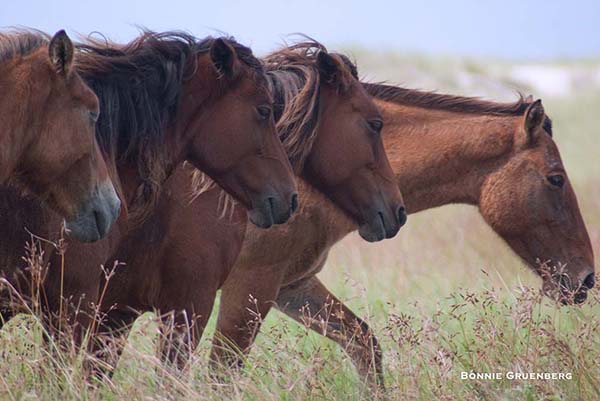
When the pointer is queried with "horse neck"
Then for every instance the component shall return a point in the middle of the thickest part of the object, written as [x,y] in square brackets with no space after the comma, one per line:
[15,118]
[442,157]
[196,94]
[191,117]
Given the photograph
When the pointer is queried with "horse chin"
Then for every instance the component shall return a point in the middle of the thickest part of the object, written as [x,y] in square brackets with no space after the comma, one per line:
[273,210]
[372,232]
[580,297]
[564,296]
[573,299]
[84,228]
[96,216]
[260,219]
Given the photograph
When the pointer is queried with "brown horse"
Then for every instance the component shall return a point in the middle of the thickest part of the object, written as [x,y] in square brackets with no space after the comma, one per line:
[47,141]
[172,98]
[443,149]
[165,98]
[330,129]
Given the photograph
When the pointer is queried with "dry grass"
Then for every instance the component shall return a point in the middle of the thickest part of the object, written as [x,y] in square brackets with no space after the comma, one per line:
[445,296]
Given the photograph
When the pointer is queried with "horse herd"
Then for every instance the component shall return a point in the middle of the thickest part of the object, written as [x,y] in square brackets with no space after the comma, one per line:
[192,166]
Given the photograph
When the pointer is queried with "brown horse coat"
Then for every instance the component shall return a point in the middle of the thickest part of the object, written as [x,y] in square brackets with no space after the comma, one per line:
[443,150]
[165,99]
[318,109]
[47,142]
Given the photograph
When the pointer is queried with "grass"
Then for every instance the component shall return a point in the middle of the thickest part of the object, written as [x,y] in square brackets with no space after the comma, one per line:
[445,296]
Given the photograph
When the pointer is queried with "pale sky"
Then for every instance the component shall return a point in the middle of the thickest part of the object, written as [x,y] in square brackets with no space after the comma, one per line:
[514,29]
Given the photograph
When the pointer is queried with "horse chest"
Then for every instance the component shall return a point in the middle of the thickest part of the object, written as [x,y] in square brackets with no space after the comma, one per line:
[18,216]
[299,247]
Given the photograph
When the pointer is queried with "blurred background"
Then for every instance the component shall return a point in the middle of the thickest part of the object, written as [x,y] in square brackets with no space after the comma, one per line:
[512,29]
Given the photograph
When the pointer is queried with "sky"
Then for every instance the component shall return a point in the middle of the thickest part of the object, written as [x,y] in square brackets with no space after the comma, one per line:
[507,29]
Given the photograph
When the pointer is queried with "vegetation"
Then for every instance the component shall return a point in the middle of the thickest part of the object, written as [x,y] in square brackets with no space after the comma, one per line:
[445,296]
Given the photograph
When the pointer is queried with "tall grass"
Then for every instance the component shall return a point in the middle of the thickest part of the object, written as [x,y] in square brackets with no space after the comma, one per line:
[445,296]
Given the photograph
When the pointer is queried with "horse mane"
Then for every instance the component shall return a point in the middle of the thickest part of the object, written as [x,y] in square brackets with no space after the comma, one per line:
[438,101]
[139,85]
[21,42]
[295,83]
[451,103]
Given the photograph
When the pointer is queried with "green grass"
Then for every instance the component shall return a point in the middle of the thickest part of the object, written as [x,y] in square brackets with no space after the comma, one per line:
[443,297]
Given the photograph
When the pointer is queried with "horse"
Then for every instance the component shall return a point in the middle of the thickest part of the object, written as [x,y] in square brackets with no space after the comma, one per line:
[48,114]
[443,149]
[331,132]
[165,98]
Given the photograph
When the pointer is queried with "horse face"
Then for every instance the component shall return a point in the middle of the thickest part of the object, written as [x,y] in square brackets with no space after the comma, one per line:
[64,165]
[348,162]
[530,202]
[238,146]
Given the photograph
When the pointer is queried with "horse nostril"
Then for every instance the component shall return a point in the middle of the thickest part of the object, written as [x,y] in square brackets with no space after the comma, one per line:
[294,202]
[589,281]
[402,217]
[271,202]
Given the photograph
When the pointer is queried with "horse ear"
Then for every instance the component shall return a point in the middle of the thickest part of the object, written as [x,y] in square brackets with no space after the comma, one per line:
[328,67]
[528,99]
[534,118]
[224,57]
[61,52]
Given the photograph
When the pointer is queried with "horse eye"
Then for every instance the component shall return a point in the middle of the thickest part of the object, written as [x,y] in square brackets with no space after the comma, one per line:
[94,116]
[376,125]
[264,112]
[557,180]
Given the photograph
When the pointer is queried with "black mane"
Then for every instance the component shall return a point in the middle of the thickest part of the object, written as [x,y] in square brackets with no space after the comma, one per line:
[139,86]
[451,103]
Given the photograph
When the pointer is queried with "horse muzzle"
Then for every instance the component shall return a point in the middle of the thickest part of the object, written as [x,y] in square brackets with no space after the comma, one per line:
[96,215]
[273,209]
[383,223]
[569,292]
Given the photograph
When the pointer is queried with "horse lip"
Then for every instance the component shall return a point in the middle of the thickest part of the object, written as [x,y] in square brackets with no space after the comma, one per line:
[82,229]
[259,221]
[368,234]
[97,216]
[573,299]
[580,297]
[566,296]
[262,216]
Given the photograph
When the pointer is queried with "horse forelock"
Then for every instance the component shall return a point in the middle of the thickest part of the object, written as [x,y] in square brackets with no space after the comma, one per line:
[253,67]
[295,81]
[18,42]
[296,93]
